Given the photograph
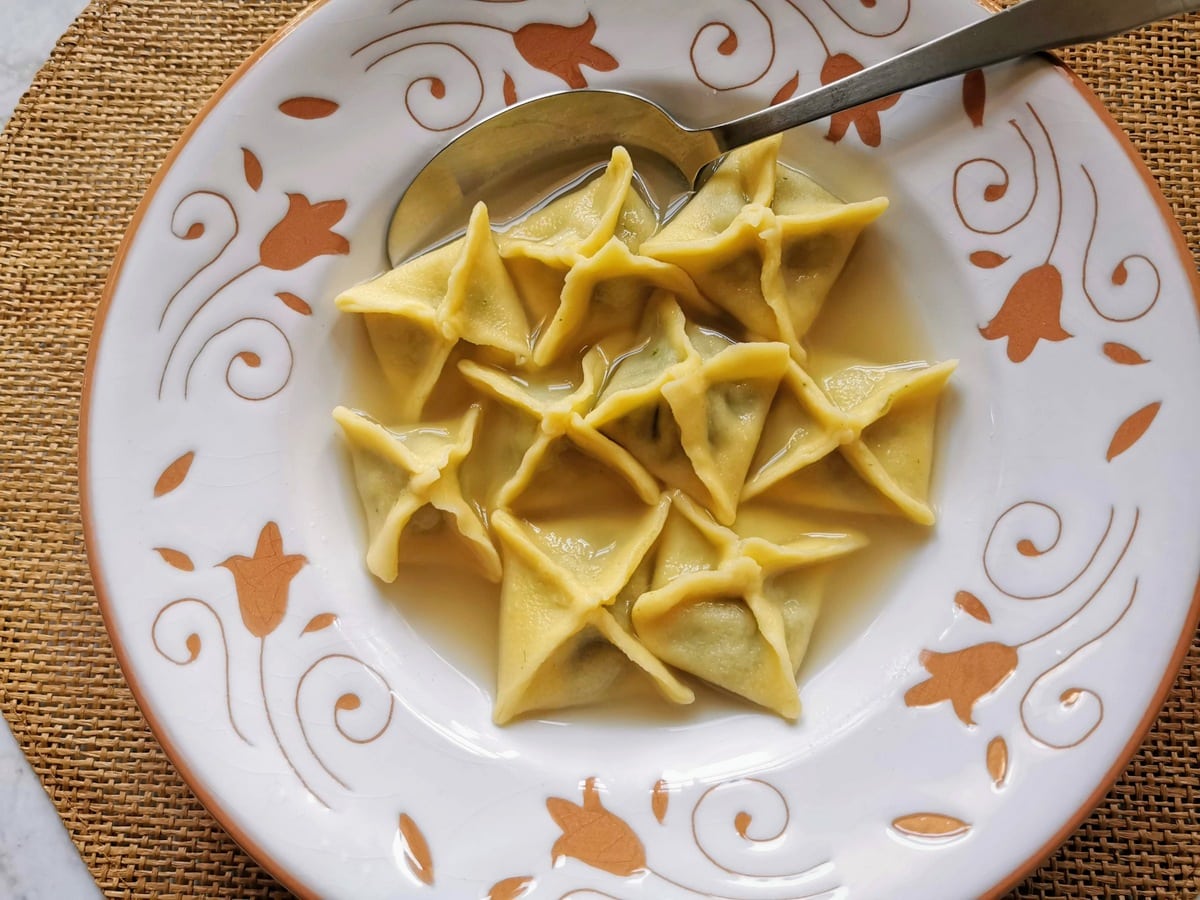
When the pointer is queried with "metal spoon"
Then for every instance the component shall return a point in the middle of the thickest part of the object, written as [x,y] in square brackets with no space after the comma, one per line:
[539,147]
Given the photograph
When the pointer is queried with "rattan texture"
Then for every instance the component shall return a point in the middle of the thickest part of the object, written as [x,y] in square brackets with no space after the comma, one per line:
[74,162]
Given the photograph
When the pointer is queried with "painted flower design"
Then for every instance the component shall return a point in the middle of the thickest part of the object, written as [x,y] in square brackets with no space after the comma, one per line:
[865,118]
[1031,313]
[263,580]
[563,51]
[595,836]
[304,233]
[964,677]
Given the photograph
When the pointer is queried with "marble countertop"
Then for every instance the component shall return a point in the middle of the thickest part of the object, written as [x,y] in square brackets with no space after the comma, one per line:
[37,859]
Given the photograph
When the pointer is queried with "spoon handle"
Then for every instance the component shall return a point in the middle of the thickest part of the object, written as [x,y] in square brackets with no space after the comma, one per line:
[1028,27]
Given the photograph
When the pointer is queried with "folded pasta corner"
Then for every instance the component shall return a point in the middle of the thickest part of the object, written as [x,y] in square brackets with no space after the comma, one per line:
[564,633]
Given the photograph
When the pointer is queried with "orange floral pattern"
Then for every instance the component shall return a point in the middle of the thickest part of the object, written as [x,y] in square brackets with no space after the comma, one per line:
[964,677]
[865,118]
[1132,430]
[263,581]
[974,96]
[304,233]
[1031,313]
[595,836]
[563,51]
[599,838]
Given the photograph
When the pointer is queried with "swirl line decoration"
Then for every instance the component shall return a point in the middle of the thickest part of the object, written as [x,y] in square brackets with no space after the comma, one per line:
[1032,310]
[194,645]
[1120,273]
[262,585]
[303,234]
[245,359]
[346,703]
[966,676]
[560,50]
[596,836]
[195,230]
[717,45]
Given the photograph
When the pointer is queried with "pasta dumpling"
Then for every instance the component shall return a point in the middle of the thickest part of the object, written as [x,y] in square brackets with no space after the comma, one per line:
[559,420]
[408,481]
[735,606]
[416,313]
[579,223]
[691,409]
[765,247]
[881,421]
[562,643]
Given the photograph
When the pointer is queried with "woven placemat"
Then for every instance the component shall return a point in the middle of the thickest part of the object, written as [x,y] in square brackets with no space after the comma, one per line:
[121,86]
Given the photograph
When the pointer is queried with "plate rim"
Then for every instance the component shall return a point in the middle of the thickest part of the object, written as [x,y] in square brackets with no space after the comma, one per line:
[208,798]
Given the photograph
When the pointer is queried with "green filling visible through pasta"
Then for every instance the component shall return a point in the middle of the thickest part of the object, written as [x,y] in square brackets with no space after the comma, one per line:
[616,422]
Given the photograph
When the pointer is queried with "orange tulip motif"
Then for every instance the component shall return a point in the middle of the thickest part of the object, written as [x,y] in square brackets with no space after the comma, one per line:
[964,677]
[864,118]
[1031,313]
[304,233]
[263,581]
[563,51]
[595,836]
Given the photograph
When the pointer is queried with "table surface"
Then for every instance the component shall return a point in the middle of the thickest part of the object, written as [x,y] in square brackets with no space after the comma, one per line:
[37,858]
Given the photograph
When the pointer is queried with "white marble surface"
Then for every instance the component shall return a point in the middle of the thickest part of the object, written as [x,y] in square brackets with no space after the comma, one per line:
[37,859]
[28,30]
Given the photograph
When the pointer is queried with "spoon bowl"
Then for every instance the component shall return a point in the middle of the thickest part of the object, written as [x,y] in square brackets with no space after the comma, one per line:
[535,150]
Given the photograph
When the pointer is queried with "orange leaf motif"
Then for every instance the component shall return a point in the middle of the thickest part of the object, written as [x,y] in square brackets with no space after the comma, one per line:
[416,850]
[193,645]
[930,825]
[250,358]
[729,46]
[1026,547]
[986,259]
[972,606]
[348,702]
[195,230]
[1122,355]
[974,95]
[563,51]
[594,836]
[786,92]
[510,888]
[741,823]
[176,558]
[304,233]
[964,677]
[291,301]
[174,474]
[253,169]
[1030,313]
[659,800]
[997,760]
[316,623]
[262,581]
[1132,429]
[865,118]
[308,107]
[510,90]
